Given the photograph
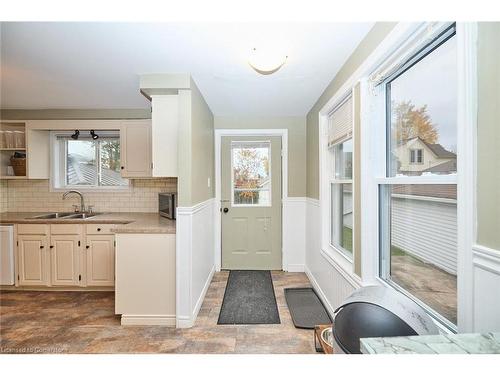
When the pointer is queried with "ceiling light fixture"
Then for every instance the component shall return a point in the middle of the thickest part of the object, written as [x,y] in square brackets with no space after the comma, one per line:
[266,62]
[94,135]
[75,135]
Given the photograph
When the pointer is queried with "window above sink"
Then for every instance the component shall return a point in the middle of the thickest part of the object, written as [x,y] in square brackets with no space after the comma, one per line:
[84,161]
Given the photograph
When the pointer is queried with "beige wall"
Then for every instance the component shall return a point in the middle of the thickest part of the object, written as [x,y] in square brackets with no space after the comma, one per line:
[3,195]
[202,138]
[488,136]
[296,144]
[35,196]
[367,45]
[196,149]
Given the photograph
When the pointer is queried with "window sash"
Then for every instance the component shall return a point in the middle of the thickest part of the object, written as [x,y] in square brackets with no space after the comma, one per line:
[62,139]
[384,183]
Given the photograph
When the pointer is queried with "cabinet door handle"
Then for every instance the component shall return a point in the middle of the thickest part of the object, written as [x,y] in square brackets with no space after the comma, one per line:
[51,246]
[122,167]
[87,247]
[41,246]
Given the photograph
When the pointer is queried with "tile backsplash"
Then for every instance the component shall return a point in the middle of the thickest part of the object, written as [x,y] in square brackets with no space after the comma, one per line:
[35,196]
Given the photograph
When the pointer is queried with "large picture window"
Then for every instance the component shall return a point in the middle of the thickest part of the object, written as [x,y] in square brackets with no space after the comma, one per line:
[418,197]
[86,162]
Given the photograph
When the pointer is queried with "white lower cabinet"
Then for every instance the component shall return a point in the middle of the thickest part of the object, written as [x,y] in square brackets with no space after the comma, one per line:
[145,279]
[63,255]
[64,260]
[32,259]
[100,260]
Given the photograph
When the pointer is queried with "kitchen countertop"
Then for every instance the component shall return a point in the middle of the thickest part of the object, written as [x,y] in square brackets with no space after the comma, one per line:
[464,343]
[126,222]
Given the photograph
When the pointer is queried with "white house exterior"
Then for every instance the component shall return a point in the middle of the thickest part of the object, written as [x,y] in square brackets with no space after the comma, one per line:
[426,157]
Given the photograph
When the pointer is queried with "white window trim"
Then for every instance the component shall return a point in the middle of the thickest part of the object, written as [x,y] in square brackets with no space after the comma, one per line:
[385,181]
[466,35]
[399,36]
[55,170]
[373,148]
[331,252]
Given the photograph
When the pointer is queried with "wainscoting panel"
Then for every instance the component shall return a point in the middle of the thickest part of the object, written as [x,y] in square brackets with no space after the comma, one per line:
[194,258]
[486,289]
[328,282]
[294,234]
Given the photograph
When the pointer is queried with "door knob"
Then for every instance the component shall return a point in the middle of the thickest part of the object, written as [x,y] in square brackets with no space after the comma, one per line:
[225,210]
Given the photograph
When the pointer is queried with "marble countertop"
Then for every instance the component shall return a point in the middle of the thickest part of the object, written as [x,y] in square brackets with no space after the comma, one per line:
[465,343]
[126,222]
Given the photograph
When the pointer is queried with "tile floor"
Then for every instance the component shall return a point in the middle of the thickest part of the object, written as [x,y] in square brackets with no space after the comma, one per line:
[84,322]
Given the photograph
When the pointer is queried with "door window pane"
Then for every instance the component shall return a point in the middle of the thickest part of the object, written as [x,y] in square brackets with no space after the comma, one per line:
[251,173]
[422,105]
[342,217]
[419,243]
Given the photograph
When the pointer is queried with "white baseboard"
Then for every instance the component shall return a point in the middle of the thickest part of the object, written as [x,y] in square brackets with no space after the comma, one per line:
[148,320]
[296,268]
[197,307]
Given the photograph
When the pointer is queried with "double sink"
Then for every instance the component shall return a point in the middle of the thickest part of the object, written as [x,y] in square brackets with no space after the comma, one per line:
[65,215]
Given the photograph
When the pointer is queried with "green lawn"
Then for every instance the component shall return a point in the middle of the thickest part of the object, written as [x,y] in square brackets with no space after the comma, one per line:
[347,239]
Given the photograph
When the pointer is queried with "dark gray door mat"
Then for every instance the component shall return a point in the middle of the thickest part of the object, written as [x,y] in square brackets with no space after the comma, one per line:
[249,299]
[306,308]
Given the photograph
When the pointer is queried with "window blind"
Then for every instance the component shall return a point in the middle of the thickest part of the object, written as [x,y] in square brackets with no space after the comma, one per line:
[340,122]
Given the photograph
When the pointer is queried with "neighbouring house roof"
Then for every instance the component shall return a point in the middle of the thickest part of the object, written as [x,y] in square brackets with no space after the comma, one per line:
[80,172]
[447,167]
[436,149]
[432,190]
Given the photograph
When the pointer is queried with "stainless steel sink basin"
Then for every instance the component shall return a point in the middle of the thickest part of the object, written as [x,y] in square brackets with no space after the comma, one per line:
[83,215]
[53,215]
[65,215]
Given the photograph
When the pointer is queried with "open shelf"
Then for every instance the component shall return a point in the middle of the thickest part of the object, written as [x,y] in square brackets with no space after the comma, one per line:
[10,145]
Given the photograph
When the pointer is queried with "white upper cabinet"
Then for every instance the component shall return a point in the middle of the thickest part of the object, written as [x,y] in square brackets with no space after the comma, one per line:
[165,130]
[135,143]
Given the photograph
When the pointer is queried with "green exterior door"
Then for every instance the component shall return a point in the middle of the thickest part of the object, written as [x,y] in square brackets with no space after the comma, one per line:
[251,203]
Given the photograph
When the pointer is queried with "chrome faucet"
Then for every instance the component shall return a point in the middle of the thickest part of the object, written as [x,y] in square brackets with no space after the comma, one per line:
[82,202]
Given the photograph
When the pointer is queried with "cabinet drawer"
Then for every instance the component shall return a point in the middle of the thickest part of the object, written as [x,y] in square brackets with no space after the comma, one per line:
[99,228]
[65,229]
[32,229]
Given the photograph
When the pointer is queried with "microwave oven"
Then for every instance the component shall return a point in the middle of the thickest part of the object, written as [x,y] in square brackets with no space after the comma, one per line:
[167,204]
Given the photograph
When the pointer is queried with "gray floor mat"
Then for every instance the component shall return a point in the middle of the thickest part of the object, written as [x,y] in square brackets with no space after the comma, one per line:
[249,299]
[306,308]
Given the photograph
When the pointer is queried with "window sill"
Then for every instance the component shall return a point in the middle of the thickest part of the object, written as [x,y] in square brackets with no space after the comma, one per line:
[342,264]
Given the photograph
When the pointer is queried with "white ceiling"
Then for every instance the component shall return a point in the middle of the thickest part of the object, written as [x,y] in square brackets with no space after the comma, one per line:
[96,65]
